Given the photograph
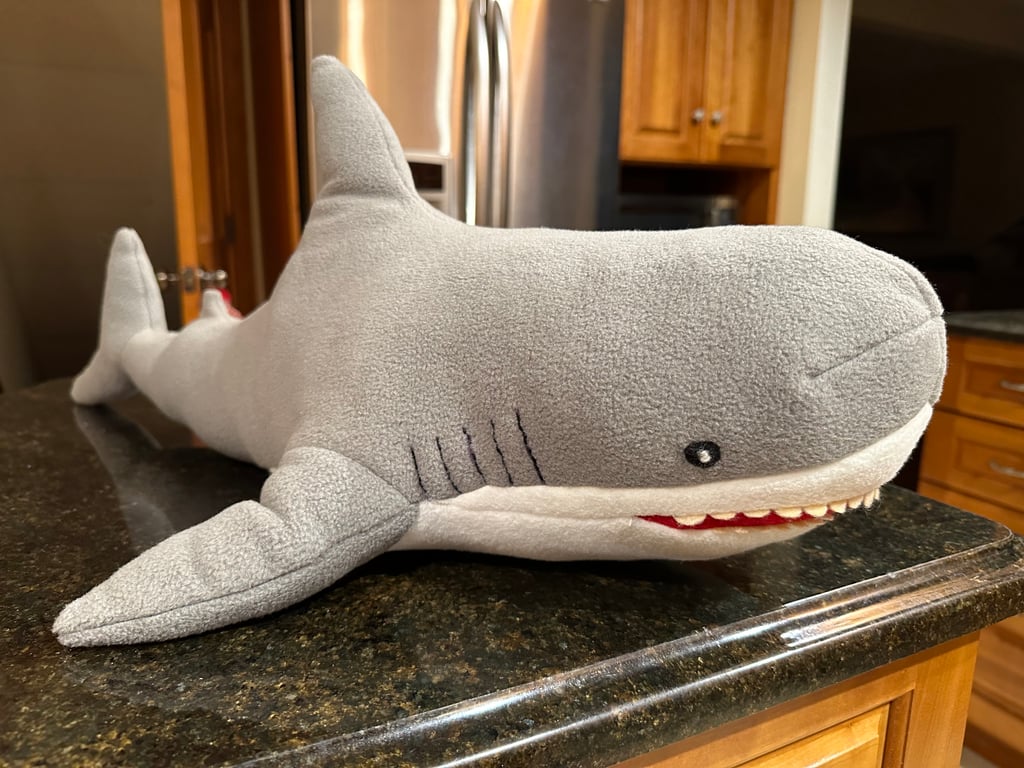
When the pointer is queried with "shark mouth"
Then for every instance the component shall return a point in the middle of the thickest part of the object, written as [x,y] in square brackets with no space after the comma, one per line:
[764,517]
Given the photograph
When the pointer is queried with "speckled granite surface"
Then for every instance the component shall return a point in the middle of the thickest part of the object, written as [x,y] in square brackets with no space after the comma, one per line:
[428,658]
[1006,325]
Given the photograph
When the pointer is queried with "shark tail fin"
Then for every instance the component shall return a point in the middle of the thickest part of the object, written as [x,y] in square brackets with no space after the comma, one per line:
[131,304]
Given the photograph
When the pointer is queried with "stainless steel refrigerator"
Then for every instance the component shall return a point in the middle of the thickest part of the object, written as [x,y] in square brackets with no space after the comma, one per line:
[507,109]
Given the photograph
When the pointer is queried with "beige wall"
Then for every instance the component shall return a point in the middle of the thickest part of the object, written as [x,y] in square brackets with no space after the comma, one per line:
[813,112]
[83,150]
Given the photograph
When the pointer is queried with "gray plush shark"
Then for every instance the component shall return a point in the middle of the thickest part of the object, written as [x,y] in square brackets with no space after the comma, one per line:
[417,382]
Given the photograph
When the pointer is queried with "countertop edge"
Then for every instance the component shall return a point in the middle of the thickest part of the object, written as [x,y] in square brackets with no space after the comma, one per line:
[613,710]
[1005,325]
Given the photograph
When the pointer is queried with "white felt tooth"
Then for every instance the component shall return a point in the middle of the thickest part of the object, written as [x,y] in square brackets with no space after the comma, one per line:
[758,514]
[876,495]
[855,502]
[790,513]
[690,520]
[817,511]
[724,515]
[838,506]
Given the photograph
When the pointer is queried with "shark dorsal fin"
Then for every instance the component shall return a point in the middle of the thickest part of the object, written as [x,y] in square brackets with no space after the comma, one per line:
[357,152]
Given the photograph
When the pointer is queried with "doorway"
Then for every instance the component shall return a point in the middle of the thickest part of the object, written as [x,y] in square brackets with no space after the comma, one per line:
[232,116]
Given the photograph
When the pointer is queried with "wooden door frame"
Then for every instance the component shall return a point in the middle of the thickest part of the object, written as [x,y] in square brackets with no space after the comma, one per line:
[186,116]
[234,159]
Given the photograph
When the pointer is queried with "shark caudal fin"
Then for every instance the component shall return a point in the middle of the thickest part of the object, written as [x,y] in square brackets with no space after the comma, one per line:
[131,304]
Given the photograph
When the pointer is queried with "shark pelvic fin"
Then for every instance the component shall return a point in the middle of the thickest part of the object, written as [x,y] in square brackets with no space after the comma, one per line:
[214,306]
[131,304]
[357,152]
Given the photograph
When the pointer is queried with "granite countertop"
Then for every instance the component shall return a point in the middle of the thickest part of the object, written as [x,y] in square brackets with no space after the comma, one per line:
[430,658]
[1005,325]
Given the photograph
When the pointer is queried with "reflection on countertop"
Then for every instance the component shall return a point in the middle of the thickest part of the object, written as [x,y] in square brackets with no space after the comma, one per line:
[1005,324]
[427,657]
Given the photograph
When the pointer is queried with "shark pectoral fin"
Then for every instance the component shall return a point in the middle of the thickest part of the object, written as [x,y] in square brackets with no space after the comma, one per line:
[320,515]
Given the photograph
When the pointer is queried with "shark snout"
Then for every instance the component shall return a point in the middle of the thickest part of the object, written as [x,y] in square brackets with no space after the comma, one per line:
[891,322]
[891,361]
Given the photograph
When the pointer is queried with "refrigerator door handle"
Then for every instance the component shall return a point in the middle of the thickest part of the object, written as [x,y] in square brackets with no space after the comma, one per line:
[501,101]
[475,161]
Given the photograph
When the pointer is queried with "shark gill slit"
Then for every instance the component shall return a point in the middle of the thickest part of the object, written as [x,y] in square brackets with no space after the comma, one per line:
[494,437]
[472,455]
[526,445]
[447,471]
[419,477]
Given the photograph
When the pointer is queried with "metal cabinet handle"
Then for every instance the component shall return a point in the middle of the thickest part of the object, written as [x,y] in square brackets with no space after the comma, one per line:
[995,466]
[697,116]
[190,279]
[716,117]
[218,278]
[1013,386]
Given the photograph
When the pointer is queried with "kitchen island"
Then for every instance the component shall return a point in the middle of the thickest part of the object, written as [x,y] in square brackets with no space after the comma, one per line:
[972,458]
[859,636]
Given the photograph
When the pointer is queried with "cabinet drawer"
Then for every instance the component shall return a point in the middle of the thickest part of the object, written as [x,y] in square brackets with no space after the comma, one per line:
[975,457]
[986,379]
[857,743]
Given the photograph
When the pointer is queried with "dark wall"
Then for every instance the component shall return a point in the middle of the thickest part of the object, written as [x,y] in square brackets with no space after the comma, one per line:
[932,161]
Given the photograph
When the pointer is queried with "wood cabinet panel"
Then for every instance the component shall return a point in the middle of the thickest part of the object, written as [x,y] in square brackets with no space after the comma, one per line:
[989,719]
[748,43]
[986,379]
[910,714]
[996,713]
[662,79]
[703,81]
[857,743]
[979,458]
[973,458]
[999,675]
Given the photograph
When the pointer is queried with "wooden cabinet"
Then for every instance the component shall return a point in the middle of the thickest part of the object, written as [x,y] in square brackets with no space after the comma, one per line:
[908,714]
[703,81]
[973,458]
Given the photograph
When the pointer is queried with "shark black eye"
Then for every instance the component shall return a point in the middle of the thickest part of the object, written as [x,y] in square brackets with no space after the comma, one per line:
[702,453]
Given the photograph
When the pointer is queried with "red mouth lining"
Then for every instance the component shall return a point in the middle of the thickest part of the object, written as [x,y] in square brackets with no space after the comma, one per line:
[740,521]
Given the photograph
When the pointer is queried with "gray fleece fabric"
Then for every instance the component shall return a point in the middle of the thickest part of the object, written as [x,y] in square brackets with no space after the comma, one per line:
[409,366]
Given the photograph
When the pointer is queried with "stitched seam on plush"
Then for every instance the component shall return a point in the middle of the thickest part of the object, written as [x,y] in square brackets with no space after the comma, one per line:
[472,454]
[501,455]
[529,451]
[447,471]
[891,339]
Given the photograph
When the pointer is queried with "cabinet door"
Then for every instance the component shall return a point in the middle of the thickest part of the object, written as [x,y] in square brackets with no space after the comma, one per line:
[857,743]
[663,80]
[747,46]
